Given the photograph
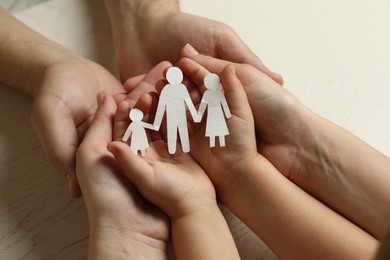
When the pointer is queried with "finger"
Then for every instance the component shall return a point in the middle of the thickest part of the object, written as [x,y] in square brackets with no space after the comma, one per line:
[135,168]
[121,119]
[233,51]
[57,132]
[100,130]
[148,83]
[154,135]
[132,82]
[231,47]
[119,97]
[235,93]
[196,69]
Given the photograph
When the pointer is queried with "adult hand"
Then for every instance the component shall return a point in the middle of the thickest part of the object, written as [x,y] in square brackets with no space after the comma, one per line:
[281,121]
[121,221]
[157,30]
[64,105]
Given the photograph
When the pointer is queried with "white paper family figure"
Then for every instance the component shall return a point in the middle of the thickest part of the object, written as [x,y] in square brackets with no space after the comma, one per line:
[173,100]
[136,129]
[217,108]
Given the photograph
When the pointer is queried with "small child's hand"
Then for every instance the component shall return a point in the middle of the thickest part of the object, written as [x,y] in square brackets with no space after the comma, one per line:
[176,184]
[240,148]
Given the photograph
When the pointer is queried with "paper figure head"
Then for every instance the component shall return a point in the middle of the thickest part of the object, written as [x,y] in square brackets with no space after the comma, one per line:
[212,81]
[174,75]
[136,115]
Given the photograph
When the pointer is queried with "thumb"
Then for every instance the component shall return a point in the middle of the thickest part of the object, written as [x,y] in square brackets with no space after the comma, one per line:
[57,132]
[100,131]
[241,54]
[135,168]
[235,94]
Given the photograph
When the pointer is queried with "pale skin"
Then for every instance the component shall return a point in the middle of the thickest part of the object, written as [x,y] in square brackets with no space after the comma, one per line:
[64,85]
[156,30]
[271,205]
[257,192]
[122,224]
[180,187]
[318,156]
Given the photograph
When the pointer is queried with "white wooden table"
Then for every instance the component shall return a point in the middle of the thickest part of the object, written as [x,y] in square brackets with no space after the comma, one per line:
[334,56]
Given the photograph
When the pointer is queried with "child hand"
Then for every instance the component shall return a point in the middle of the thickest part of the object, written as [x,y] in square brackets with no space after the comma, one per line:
[223,163]
[119,217]
[281,121]
[176,184]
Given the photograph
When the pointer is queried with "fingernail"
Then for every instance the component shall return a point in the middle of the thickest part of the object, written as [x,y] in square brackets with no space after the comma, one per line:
[191,49]
[111,148]
[100,98]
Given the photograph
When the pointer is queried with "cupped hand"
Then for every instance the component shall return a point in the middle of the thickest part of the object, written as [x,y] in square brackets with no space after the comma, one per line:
[175,183]
[281,121]
[161,37]
[63,108]
[113,202]
[239,152]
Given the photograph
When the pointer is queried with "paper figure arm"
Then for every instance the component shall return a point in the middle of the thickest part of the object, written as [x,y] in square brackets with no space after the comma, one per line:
[202,108]
[160,111]
[192,109]
[225,107]
[127,133]
[149,126]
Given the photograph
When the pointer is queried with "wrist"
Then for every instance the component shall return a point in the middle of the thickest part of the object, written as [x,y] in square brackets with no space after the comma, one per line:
[56,61]
[194,212]
[136,23]
[131,17]
[111,242]
[203,235]
[236,175]
[25,55]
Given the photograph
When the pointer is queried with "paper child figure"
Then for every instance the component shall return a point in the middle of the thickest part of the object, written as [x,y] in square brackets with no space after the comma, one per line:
[217,107]
[173,100]
[136,129]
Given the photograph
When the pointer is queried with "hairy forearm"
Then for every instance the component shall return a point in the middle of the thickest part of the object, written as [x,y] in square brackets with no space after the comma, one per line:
[348,175]
[203,235]
[290,221]
[25,54]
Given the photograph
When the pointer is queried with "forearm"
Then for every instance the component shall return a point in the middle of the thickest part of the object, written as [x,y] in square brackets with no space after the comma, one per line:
[349,175]
[25,54]
[292,223]
[204,235]
[111,243]
[128,16]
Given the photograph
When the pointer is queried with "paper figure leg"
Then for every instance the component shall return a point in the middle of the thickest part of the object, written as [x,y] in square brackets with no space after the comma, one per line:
[172,139]
[222,141]
[212,141]
[185,142]
[134,150]
[142,152]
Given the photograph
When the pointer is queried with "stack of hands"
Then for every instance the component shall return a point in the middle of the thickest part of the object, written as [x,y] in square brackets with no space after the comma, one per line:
[297,180]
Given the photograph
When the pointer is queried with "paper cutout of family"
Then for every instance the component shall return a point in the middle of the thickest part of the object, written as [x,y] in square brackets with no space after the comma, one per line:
[173,100]
[137,132]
